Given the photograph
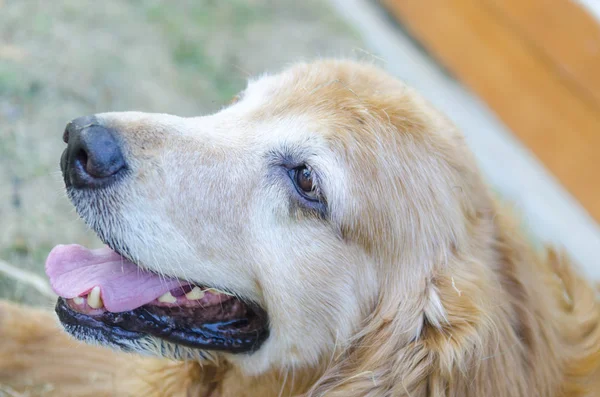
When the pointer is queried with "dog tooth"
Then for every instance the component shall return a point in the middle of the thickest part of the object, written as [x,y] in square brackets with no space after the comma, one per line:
[216,291]
[78,300]
[167,298]
[94,299]
[195,294]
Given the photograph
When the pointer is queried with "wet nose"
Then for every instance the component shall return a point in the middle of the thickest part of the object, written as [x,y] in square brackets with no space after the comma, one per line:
[93,157]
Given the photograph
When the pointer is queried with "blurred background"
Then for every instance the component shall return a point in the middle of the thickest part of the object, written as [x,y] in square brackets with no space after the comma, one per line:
[521,78]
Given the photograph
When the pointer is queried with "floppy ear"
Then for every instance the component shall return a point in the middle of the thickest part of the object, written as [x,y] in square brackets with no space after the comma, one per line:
[421,353]
[425,353]
[505,322]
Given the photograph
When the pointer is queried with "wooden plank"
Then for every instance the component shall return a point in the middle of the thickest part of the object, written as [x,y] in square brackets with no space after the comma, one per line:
[564,32]
[487,53]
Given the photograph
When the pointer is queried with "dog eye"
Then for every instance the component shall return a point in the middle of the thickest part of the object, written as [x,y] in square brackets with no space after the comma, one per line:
[304,181]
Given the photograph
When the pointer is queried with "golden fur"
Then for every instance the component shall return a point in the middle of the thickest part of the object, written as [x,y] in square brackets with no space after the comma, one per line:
[418,283]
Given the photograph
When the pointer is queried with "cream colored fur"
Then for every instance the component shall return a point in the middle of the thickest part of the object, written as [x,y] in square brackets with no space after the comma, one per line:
[415,283]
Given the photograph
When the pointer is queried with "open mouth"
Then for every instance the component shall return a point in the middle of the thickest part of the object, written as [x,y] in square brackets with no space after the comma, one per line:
[111,298]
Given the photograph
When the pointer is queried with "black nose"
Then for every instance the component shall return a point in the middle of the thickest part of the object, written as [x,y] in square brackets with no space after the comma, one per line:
[93,156]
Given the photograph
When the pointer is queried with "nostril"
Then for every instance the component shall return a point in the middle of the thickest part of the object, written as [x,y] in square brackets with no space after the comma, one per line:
[93,155]
[81,161]
[66,133]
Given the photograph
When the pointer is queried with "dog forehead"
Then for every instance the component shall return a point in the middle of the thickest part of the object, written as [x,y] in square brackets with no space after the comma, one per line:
[328,107]
[297,104]
[314,87]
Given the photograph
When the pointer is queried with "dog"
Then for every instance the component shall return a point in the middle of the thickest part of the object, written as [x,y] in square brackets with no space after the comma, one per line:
[327,233]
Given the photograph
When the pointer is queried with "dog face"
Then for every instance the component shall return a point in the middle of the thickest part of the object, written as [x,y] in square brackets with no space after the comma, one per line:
[320,193]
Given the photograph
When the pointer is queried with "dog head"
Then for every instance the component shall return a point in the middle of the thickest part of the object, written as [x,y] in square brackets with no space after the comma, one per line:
[270,231]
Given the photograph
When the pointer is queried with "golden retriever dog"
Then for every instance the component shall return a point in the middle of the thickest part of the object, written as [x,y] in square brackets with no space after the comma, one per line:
[326,234]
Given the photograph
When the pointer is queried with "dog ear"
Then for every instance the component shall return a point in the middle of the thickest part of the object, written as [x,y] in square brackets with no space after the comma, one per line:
[424,349]
[501,323]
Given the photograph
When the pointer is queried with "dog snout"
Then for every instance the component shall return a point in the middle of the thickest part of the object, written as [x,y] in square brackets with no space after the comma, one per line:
[93,157]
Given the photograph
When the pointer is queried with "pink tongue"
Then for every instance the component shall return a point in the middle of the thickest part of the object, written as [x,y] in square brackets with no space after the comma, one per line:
[74,270]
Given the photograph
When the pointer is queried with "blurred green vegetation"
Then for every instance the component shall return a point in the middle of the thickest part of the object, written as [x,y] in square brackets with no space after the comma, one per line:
[67,58]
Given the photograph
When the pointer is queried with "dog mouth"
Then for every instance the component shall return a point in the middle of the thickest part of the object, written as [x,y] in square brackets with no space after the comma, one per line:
[105,296]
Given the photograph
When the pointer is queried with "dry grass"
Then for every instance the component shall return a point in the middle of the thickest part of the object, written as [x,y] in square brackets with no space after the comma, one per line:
[63,59]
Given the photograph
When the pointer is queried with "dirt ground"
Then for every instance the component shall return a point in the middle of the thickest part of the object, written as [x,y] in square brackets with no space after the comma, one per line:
[63,59]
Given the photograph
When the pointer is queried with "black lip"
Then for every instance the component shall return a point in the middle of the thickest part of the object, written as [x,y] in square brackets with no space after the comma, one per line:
[238,335]
[83,327]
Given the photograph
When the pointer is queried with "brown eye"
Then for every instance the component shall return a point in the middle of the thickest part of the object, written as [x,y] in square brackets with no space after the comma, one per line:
[304,181]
